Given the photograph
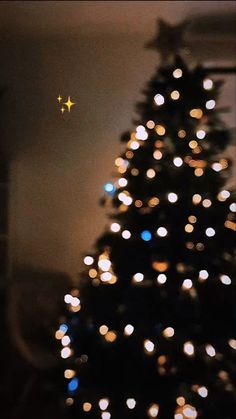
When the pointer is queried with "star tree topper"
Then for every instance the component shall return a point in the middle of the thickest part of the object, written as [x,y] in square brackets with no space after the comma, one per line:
[169,40]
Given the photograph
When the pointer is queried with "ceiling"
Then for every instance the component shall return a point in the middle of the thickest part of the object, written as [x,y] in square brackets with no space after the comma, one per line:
[66,18]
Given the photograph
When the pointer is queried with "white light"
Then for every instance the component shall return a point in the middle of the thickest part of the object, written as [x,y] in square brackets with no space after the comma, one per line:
[210,232]
[189,348]
[203,392]
[149,345]
[190,412]
[115,227]
[187,284]
[161,279]
[177,161]
[207,84]
[134,145]
[172,197]
[177,73]
[232,207]
[217,167]
[131,403]
[126,234]
[141,133]
[106,415]
[106,276]
[232,343]
[75,302]
[201,134]
[88,260]
[103,404]
[162,232]
[224,194]
[179,416]
[138,277]
[203,274]
[122,181]
[151,173]
[65,340]
[225,279]
[210,350]
[206,203]
[153,411]
[128,330]
[68,298]
[104,264]
[65,352]
[159,99]
[210,104]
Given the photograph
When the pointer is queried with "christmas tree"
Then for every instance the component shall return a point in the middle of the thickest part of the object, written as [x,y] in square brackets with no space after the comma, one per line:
[152,330]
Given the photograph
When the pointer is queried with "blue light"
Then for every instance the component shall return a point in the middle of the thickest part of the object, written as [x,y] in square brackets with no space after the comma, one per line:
[73,384]
[63,327]
[146,235]
[109,188]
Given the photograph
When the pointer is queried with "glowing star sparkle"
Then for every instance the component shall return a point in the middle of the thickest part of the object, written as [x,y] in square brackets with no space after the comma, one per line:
[59,98]
[69,104]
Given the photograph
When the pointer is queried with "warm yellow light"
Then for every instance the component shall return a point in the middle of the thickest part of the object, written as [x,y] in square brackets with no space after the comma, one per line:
[159,99]
[192,219]
[196,199]
[232,343]
[119,161]
[153,202]
[188,228]
[177,73]
[189,348]
[157,154]
[115,227]
[128,330]
[181,133]
[92,273]
[111,336]
[175,95]
[88,260]
[160,130]
[160,266]
[207,84]
[69,374]
[149,346]
[153,410]
[168,332]
[138,277]
[69,401]
[134,172]
[198,172]
[103,404]
[129,154]
[180,401]
[138,203]
[196,113]
[131,403]
[193,144]
[59,334]
[103,330]
[150,124]
[151,173]
[87,407]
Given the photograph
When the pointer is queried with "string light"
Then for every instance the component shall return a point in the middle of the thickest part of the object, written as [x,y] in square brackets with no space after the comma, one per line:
[151,173]
[146,235]
[92,273]
[210,104]
[109,188]
[189,348]
[203,275]
[106,277]
[134,145]
[157,154]
[103,404]
[201,134]
[196,199]
[128,330]
[153,410]
[161,279]
[223,195]
[160,266]
[177,161]
[126,234]
[187,284]
[177,73]
[115,227]
[175,95]
[138,203]
[172,197]
[232,207]
[232,344]
[122,182]
[217,167]
[149,346]
[196,113]
[134,172]
[87,407]
[210,232]
[188,228]
[138,277]
[207,84]
[206,203]
[162,232]
[210,350]
[65,340]
[198,172]
[88,260]
[141,133]
[193,144]
[160,130]
[159,99]
[106,415]
[150,124]
[111,336]
[65,353]
[192,219]
[153,202]
[225,279]
[180,401]
[131,403]
[103,330]
[168,332]
[181,133]
[203,392]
